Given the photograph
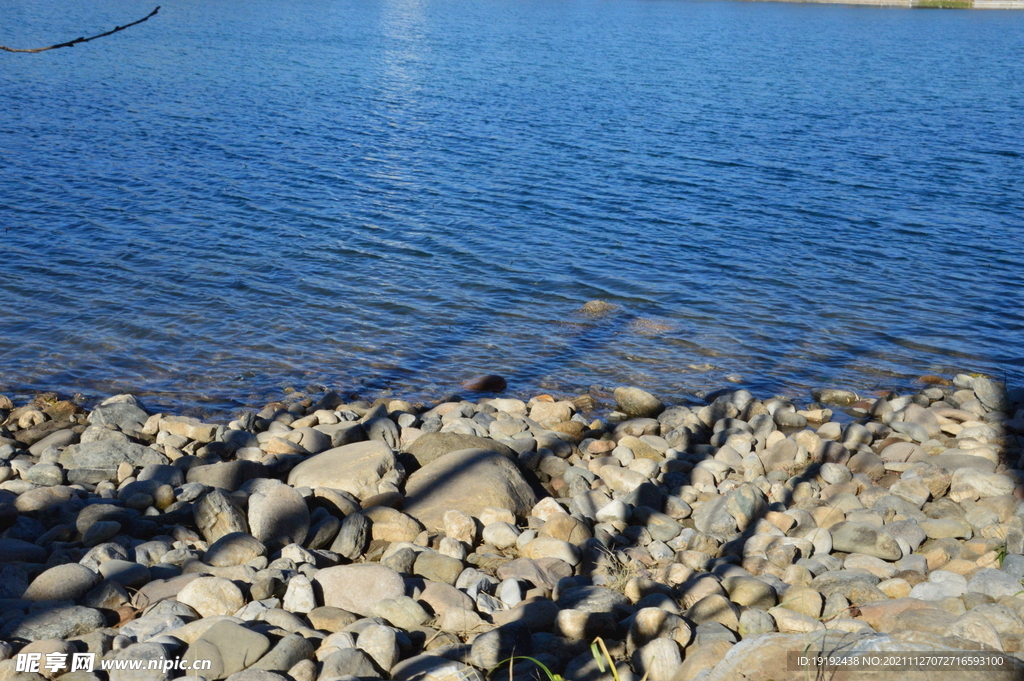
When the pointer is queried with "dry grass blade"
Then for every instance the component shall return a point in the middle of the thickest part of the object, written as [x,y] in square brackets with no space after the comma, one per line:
[600,652]
[551,675]
[599,643]
[619,571]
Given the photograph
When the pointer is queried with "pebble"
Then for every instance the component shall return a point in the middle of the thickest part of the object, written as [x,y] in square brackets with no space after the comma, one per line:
[501,535]
[490,648]
[749,591]
[278,517]
[216,515]
[858,537]
[230,647]
[403,612]
[715,608]
[299,596]
[592,599]
[69,582]
[356,588]
[636,402]
[437,567]
[381,644]
[790,621]
[679,535]
[60,622]
[211,596]
[754,622]
[348,663]
[236,548]
[658,660]
[125,573]
[994,583]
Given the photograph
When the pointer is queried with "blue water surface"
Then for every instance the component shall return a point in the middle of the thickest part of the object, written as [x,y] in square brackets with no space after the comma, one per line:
[390,196]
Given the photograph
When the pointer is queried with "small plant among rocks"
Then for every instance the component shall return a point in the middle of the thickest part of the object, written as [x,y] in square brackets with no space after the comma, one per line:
[598,649]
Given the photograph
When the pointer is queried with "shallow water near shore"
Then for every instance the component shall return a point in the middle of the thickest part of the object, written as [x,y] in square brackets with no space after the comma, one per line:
[396,196]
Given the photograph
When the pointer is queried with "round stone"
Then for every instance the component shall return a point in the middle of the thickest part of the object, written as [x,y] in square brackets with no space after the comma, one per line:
[68,582]
[212,596]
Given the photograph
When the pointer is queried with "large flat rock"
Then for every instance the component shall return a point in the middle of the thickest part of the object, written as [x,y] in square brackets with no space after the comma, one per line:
[469,480]
[355,468]
[61,622]
[432,446]
[105,455]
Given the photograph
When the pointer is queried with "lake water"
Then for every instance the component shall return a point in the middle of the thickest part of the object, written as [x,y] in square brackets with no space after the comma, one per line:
[391,196]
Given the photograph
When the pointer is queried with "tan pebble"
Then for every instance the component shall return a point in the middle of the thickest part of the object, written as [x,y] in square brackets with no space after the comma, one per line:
[640,587]
[895,587]
[973,626]
[391,525]
[694,560]
[677,573]
[797,575]
[960,566]
[851,626]
[546,508]
[951,605]
[31,418]
[880,615]
[163,496]
[306,421]
[936,557]
[804,600]
[780,520]
[759,565]
[573,624]
[981,545]
[715,608]
[459,620]
[699,588]
[876,566]
[989,560]
[792,622]
[303,670]
[497,515]
[827,516]
[702,658]
[281,446]
[782,553]
[410,435]
[566,528]
[124,471]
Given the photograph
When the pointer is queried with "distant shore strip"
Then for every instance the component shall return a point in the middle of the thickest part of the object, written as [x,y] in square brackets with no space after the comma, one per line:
[919,4]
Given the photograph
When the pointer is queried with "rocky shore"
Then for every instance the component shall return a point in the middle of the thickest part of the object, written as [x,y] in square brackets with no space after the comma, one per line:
[321,539]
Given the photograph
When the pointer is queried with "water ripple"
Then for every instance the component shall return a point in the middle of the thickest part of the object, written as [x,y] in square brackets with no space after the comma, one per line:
[392,196]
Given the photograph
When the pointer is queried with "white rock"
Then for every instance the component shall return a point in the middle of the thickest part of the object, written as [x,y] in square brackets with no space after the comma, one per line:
[299,596]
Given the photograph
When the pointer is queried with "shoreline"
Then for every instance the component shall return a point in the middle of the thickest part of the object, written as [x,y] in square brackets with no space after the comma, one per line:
[221,406]
[318,536]
[917,4]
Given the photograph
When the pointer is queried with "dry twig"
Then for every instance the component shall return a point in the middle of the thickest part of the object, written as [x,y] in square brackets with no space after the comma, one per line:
[76,41]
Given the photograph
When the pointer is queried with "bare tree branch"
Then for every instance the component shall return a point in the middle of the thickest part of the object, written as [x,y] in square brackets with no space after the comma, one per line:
[76,41]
